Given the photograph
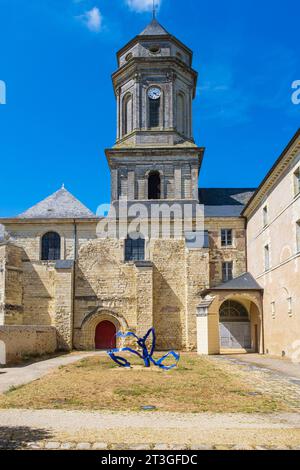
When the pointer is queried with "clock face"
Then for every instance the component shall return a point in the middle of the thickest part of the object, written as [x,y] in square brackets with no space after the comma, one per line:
[154,93]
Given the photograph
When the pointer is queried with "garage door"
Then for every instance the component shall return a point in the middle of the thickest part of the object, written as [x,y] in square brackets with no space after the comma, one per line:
[235,335]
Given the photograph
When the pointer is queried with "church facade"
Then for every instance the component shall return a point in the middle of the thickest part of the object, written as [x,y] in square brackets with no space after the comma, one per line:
[68,281]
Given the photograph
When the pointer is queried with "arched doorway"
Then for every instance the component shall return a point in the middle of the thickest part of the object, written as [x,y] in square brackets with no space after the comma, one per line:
[154,186]
[105,335]
[235,326]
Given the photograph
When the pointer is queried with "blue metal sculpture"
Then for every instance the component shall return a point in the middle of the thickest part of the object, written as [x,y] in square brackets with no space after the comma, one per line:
[146,356]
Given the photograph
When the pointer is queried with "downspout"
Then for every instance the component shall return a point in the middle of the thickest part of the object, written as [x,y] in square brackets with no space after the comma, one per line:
[74,280]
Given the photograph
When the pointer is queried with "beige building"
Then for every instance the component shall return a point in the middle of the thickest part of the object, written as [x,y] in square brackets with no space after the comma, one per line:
[273,248]
[69,279]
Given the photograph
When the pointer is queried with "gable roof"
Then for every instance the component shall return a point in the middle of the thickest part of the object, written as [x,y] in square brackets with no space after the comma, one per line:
[275,172]
[154,29]
[224,202]
[244,282]
[60,205]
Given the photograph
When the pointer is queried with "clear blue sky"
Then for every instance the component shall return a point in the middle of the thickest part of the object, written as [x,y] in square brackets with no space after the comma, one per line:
[57,57]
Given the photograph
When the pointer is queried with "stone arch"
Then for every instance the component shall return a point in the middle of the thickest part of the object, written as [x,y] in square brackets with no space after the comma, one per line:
[150,172]
[251,326]
[127,114]
[92,320]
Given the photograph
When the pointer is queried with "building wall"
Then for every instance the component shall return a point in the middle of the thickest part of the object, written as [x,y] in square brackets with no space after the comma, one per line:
[218,254]
[281,282]
[20,342]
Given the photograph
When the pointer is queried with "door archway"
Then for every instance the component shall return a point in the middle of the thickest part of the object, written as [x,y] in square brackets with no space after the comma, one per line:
[235,326]
[105,335]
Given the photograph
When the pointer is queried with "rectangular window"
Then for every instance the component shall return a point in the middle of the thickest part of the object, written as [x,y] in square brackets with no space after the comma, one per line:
[297,181]
[134,249]
[265,216]
[290,306]
[154,112]
[226,237]
[267,258]
[273,309]
[298,235]
[227,271]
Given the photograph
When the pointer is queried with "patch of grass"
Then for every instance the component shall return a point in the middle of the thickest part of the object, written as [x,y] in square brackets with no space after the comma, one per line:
[197,385]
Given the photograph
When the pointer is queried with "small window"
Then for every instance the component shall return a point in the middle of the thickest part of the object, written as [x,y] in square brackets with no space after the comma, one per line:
[129,57]
[155,49]
[273,310]
[134,249]
[51,247]
[265,216]
[267,258]
[298,235]
[290,306]
[227,271]
[154,112]
[297,181]
[154,186]
[226,237]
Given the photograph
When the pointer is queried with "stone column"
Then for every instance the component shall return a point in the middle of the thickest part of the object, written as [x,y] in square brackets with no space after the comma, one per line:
[114,185]
[178,183]
[63,320]
[203,327]
[195,190]
[131,185]
[144,295]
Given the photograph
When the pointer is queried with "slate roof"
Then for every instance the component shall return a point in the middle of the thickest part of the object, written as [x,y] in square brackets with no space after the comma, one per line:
[60,205]
[244,282]
[224,202]
[154,29]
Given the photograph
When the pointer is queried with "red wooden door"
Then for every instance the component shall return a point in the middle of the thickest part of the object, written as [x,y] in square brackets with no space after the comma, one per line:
[105,336]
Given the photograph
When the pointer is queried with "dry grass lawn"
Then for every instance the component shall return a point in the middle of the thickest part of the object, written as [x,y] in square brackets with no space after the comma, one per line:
[197,385]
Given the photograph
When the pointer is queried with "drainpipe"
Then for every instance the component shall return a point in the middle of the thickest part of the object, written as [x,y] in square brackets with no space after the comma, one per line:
[74,280]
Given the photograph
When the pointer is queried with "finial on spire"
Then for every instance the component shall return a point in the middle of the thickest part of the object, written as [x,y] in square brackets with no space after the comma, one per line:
[63,186]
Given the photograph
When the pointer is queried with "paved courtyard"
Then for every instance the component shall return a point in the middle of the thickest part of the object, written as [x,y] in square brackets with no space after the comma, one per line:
[62,429]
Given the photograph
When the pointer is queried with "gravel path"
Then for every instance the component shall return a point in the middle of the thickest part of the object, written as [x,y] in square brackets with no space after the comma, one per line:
[58,428]
[21,375]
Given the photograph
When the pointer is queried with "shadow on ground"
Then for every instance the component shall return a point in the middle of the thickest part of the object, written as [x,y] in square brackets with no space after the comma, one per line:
[17,437]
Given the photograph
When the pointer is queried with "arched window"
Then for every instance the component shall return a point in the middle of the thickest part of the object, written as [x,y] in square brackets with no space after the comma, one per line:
[51,247]
[127,114]
[181,113]
[154,185]
[154,112]
[233,311]
[135,248]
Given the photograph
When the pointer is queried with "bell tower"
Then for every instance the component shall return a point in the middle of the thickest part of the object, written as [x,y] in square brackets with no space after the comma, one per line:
[155,156]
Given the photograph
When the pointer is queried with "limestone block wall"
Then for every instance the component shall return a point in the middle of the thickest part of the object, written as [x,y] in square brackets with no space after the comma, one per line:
[197,279]
[28,235]
[219,254]
[11,285]
[169,294]
[19,342]
[105,284]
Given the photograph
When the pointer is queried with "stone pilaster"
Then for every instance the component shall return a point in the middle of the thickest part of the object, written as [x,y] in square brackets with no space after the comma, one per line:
[144,296]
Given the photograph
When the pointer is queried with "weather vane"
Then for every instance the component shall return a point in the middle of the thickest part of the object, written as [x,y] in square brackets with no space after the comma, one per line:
[154,9]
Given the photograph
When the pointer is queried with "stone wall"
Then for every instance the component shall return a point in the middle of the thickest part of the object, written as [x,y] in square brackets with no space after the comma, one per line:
[25,341]
[11,285]
[219,254]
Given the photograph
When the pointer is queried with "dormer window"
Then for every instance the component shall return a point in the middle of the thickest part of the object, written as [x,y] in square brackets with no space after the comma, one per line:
[155,49]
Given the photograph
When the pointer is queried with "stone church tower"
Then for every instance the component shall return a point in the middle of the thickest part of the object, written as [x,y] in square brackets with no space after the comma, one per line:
[66,287]
[155,156]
